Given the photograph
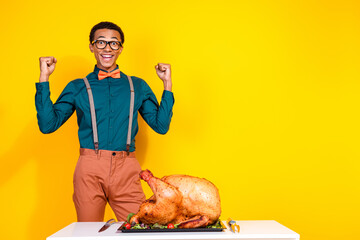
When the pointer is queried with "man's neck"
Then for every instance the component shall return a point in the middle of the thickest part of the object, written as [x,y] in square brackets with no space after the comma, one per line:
[107,69]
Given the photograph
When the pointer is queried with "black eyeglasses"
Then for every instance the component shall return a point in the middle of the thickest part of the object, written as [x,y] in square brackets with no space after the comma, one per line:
[101,44]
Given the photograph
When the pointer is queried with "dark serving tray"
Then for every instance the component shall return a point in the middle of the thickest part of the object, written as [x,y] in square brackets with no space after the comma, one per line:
[172,230]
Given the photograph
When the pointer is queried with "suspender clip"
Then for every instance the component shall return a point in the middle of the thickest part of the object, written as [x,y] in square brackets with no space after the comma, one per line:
[128,149]
[96,145]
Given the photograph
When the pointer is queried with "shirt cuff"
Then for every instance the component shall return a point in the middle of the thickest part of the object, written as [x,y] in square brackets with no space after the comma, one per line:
[41,86]
[168,95]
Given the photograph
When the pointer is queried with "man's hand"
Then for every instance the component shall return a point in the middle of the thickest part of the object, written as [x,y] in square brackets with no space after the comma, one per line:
[47,67]
[164,72]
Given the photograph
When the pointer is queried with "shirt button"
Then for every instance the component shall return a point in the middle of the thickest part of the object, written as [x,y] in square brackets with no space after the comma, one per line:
[114,153]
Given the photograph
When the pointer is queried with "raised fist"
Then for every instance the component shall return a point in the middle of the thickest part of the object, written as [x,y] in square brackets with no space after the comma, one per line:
[163,70]
[47,67]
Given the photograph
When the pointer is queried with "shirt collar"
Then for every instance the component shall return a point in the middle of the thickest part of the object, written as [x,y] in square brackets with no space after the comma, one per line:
[94,74]
[96,69]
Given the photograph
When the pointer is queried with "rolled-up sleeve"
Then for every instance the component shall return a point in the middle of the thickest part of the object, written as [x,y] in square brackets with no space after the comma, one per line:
[158,117]
[51,116]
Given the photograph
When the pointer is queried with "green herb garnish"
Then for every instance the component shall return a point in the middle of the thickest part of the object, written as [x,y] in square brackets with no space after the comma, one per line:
[129,217]
[216,225]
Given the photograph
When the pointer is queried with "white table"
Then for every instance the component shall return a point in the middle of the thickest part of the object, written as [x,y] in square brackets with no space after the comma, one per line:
[254,230]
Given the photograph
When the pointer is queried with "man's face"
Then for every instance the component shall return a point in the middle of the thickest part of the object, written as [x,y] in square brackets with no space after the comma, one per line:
[106,58]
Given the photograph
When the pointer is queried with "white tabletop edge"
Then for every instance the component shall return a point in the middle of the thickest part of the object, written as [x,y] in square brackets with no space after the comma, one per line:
[252,229]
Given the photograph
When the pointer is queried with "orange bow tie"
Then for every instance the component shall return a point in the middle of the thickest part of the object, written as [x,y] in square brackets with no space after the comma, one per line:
[114,74]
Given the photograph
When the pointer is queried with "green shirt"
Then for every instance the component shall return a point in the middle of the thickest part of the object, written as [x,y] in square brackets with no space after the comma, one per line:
[112,103]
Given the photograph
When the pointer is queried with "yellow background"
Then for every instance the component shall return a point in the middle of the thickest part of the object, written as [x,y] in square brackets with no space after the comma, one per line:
[267,106]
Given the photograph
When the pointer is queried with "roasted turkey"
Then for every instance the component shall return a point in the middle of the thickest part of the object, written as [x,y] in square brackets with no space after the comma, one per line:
[188,201]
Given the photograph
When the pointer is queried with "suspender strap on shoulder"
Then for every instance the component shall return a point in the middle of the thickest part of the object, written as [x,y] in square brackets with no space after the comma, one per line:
[131,112]
[93,115]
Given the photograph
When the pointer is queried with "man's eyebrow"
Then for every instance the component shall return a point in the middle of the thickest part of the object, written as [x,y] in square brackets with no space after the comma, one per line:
[105,37]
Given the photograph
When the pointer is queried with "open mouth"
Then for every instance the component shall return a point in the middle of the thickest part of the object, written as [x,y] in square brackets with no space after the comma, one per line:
[107,57]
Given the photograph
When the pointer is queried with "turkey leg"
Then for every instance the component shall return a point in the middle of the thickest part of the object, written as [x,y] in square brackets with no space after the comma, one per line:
[163,206]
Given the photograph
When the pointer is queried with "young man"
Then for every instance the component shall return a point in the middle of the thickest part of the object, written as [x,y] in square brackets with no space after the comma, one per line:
[107,103]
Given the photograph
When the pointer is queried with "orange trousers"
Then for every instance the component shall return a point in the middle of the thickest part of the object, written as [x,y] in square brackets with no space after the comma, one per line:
[109,176]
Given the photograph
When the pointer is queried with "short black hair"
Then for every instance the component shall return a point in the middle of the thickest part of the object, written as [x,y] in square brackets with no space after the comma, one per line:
[106,25]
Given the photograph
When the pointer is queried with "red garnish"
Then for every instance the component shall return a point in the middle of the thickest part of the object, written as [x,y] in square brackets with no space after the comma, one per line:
[128,226]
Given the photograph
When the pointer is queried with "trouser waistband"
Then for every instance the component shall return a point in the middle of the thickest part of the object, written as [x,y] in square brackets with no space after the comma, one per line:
[105,153]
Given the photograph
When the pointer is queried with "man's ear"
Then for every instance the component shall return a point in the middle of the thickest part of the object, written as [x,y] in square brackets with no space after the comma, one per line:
[91,47]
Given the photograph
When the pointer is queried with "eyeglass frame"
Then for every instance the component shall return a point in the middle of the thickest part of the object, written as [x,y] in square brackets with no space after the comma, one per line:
[107,42]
